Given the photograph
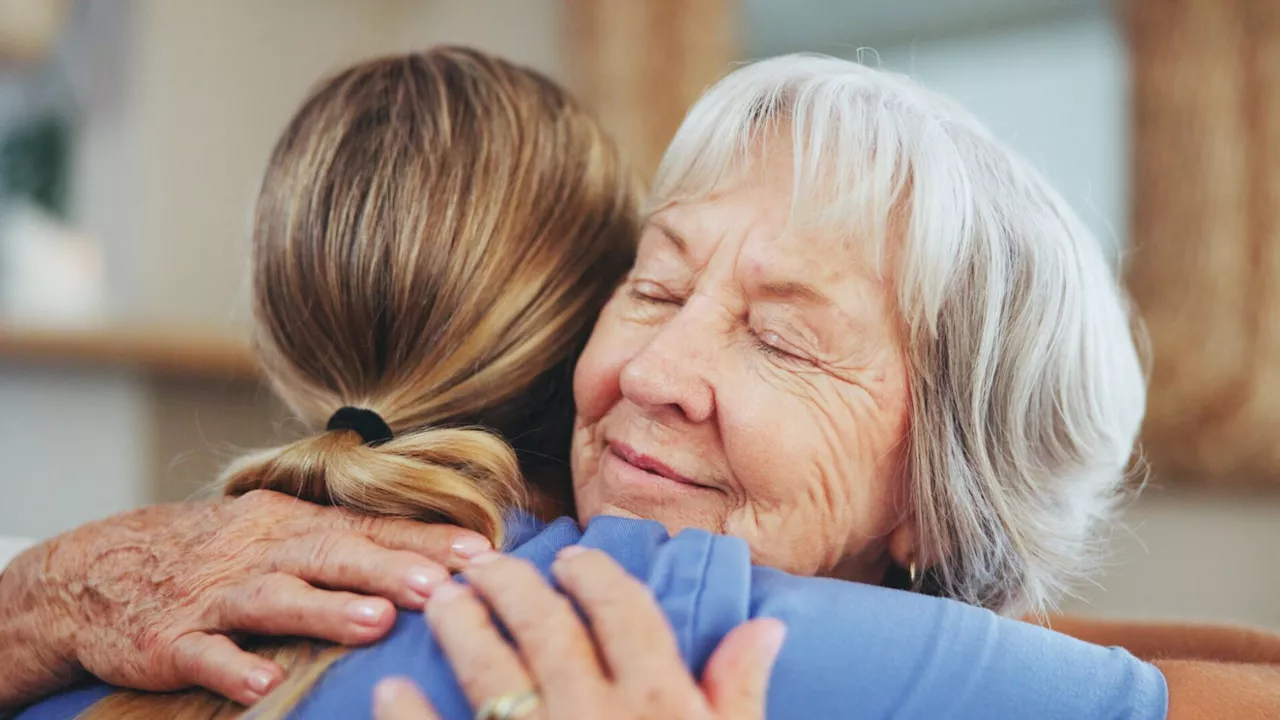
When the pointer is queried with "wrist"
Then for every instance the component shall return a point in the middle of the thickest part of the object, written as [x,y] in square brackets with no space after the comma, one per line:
[63,589]
[38,626]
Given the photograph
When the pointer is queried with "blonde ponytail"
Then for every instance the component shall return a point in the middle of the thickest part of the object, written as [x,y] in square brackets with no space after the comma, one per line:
[465,476]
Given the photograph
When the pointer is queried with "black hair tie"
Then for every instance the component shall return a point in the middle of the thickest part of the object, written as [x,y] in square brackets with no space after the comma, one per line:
[369,424]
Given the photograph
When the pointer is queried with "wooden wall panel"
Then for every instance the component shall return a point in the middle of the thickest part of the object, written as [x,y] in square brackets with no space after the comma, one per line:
[641,63]
[1205,262]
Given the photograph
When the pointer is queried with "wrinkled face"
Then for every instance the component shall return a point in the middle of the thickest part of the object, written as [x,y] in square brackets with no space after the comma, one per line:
[750,379]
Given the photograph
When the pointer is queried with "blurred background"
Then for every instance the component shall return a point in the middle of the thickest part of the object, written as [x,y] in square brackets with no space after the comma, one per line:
[132,134]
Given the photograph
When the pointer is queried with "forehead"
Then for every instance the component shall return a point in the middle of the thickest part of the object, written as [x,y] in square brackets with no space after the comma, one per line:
[752,227]
[773,201]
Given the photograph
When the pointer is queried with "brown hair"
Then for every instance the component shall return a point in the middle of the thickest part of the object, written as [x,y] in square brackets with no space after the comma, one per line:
[434,236]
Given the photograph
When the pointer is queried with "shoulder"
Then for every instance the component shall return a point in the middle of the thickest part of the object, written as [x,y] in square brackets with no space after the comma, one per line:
[409,650]
[700,580]
[906,655]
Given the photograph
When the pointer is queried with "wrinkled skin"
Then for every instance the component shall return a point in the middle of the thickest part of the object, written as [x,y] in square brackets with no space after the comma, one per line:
[142,599]
[762,365]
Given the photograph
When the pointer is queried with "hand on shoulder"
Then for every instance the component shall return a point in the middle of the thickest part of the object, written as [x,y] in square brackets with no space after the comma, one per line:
[141,599]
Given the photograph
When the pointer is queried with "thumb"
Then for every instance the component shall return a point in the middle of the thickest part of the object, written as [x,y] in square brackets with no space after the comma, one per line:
[400,699]
[737,675]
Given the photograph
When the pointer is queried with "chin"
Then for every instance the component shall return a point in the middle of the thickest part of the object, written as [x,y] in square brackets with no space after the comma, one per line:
[673,518]
[643,496]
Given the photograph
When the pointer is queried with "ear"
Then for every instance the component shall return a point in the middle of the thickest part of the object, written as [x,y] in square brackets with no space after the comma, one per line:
[904,544]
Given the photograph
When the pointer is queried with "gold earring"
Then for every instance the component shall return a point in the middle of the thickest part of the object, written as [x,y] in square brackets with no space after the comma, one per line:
[911,571]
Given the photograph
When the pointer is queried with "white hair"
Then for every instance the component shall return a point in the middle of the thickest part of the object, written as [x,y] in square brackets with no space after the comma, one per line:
[1027,390]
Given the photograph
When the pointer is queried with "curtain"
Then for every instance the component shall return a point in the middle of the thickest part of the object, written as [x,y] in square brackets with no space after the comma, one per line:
[1204,267]
[641,64]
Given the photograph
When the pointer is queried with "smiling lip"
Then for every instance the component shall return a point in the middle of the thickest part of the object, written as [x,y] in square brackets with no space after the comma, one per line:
[639,460]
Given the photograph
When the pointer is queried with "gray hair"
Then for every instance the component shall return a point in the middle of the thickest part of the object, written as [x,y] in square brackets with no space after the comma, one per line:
[1027,390]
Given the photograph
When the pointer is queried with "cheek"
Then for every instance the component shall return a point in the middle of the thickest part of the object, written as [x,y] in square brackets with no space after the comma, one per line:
[818,467]
[596,376]
[789,449]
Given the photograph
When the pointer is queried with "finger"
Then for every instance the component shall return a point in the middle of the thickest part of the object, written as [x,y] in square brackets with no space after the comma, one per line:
[555,645]
[632,633]
[347,561]
[485,664]
[280,604]
[400,699]
[447,545]
[215,663]
[736,679]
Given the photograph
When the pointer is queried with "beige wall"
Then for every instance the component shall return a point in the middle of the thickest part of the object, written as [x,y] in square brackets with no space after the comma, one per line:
[194,93]
[180,101]
[74,444]
[1181,556]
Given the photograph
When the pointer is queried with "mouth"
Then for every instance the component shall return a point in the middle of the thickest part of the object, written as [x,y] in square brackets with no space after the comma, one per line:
[648,464]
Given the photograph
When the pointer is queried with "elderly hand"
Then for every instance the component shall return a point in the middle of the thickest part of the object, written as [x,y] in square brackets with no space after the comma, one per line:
[141,599]
[625,665]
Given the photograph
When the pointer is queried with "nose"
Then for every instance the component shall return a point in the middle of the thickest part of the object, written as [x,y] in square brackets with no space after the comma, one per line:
[671,373]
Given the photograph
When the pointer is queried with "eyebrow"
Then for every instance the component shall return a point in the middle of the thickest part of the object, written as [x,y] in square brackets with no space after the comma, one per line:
[794,290]
[779,290]
[682,246]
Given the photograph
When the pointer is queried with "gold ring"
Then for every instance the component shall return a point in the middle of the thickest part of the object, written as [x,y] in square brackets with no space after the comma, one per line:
[509,707]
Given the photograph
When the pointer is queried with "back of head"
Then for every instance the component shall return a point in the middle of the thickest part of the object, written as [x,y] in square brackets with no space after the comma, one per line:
[434,236]
[433,239]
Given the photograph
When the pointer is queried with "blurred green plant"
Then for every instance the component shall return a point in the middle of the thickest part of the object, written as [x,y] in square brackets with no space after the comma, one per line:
[34,159]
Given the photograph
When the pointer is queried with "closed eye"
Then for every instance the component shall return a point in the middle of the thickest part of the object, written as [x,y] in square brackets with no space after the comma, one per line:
[650,292]
[771,343]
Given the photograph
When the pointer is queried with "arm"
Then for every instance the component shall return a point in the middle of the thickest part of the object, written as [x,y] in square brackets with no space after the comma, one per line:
[1208,691]
[140,599]
[1173,641]
[884,652]
[36,639]
[1213,671]
[1197,690]
[849,649]
[10,548]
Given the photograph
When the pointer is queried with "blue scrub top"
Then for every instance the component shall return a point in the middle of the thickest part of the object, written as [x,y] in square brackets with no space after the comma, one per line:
[852,650]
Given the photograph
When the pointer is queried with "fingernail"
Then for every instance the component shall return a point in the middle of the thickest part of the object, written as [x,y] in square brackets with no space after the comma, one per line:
[467,546]
[387,693]
[774,637]
[423,579]
[483,559]
[562,557]
[447,592]
[365,612]
[570,551]
[260,681]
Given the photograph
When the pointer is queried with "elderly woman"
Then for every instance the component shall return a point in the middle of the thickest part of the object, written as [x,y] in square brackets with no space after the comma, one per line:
[847,283]
[863,339]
